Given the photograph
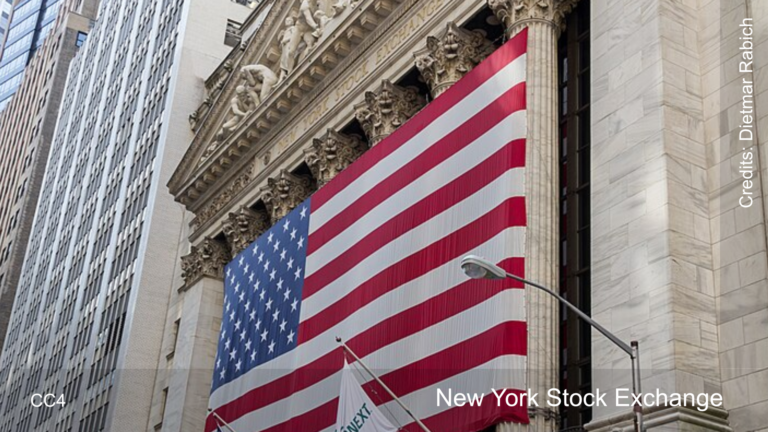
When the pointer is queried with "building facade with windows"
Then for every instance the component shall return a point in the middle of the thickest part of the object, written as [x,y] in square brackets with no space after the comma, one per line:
[6,7]
[94,284]
[30,23]
[633,129]
[26,131]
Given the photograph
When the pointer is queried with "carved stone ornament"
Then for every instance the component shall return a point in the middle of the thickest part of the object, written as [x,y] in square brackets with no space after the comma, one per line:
[512,12]
[331,154]
[381,114]
[243,227]
[222,199]
[450,55]
[206,259]
[284,192]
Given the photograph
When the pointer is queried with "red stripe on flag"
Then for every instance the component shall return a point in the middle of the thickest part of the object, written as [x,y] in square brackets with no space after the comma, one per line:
[508,103]
[504,339]
[417,318]
[508,338]
[476,77]
[510,213]
[508,157]
[474,418]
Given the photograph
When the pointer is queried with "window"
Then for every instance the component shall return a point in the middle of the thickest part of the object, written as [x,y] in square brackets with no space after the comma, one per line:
[575,244]
[232,35]
[80,38]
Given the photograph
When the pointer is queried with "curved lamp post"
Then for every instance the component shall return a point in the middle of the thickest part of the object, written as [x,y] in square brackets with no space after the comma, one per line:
[479,268]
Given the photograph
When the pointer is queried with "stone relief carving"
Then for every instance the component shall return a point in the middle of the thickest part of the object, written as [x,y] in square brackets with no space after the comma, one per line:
[381,114]
[450,55]
[511,12]
[245,101]
[284,192]
[206,259]
[243,227]
[329,155]
[289,38]
[261,79]
[223,198]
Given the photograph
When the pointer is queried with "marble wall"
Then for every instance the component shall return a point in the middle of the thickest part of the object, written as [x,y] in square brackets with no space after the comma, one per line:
[677,264]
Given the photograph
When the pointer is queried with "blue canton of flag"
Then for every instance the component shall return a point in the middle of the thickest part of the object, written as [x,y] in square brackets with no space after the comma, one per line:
[262,298]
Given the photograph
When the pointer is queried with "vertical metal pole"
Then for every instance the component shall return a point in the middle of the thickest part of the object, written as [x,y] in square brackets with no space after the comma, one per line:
[394,396]
[637,386]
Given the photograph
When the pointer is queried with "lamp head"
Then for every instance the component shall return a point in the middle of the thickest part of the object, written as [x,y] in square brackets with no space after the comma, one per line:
[479,268]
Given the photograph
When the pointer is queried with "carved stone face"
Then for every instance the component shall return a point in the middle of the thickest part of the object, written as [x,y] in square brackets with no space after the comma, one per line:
[451,45]
[330,148]
[386,101]
[289,22]
[242,222]
[283,187]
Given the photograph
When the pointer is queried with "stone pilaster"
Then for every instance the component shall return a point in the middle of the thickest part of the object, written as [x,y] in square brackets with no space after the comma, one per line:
[242,227]
[206,259]
[284,192]
[543,18]
[383,112]
[450,55]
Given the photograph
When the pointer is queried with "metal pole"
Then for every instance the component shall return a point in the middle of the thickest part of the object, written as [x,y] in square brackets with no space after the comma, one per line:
[394,396]
[633,351]
[637,386]
[621,344]
[220,421]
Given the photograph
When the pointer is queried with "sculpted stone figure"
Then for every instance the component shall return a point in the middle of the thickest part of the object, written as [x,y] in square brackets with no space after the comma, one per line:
[244,101]
[289,38]
[309,29]
[260,78]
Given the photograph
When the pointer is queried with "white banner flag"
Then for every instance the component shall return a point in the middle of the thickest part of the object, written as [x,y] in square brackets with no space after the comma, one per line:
[357,413]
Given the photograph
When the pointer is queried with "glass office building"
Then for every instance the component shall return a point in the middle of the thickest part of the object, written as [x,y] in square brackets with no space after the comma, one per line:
[30,22]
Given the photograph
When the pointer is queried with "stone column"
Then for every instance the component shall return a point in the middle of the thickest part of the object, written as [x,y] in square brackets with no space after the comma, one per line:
[194,349]
[544,19]
[331,154]
[450,55]
[243,227]
[284,192]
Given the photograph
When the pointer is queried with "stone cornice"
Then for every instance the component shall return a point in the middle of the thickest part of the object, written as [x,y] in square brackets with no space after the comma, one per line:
[282,140]
[350,28]
[218,103]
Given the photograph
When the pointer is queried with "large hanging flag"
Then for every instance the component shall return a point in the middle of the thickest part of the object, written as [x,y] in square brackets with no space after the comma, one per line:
[373,257]
[356,411]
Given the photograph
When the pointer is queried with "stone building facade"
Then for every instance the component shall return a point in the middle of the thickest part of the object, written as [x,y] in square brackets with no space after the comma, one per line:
[643,230]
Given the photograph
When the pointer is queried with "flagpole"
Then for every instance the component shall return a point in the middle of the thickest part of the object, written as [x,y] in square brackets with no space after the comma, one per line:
[394,396]
[220,421]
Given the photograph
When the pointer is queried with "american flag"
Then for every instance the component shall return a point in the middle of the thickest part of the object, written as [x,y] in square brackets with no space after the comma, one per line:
[373,257]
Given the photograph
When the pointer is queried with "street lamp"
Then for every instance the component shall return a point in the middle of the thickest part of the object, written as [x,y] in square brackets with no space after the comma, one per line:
[480,268]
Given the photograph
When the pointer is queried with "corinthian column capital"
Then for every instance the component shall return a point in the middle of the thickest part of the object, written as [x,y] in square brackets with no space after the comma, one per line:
[329,155]
[284,192]
[383,112]
[514,13]
[206,259]
[243,227]
[450,55]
